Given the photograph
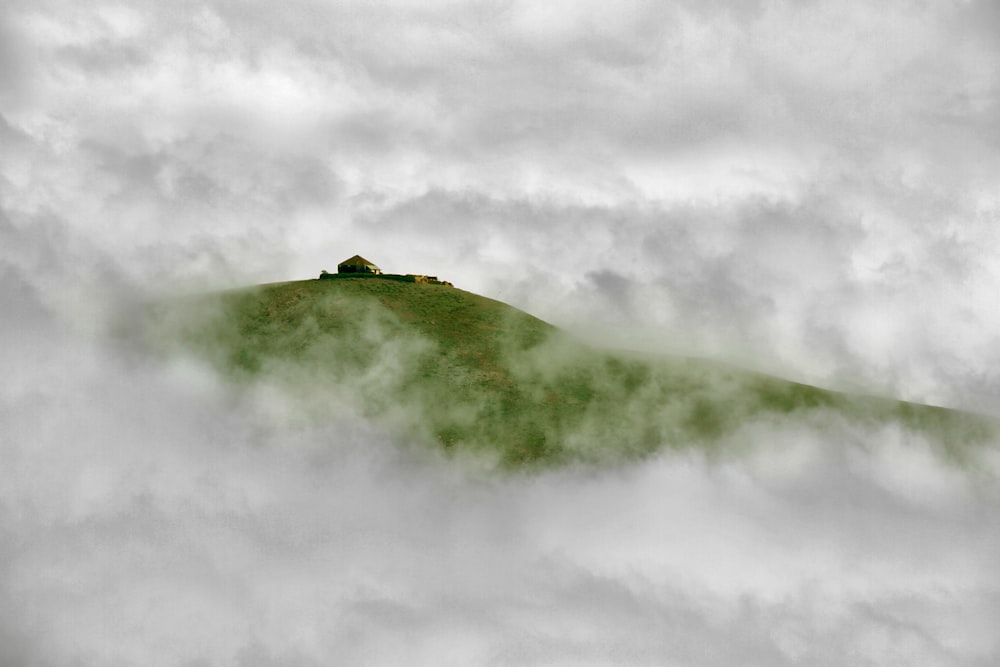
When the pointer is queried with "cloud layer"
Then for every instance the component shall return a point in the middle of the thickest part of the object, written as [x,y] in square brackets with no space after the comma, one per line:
[150,516]
[805,187]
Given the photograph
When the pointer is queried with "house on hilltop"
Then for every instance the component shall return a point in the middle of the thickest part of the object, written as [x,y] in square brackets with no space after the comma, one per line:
[358,264]
[361,267]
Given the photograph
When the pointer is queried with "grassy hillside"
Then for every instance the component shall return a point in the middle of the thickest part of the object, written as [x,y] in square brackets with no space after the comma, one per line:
[478,377]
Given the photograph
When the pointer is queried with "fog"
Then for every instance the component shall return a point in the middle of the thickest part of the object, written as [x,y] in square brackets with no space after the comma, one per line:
[152,514]
[805,189]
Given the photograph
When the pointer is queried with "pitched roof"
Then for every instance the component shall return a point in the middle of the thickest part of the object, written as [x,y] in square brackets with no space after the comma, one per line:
[357,260]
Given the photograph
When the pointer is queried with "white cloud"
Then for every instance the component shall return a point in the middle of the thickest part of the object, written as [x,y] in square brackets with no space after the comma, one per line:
[150,517]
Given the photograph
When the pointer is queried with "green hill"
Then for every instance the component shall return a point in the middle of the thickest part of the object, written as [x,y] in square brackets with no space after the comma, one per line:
[480,378]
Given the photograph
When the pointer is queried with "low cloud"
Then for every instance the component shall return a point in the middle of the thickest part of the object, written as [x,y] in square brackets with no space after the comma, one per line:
[155,514]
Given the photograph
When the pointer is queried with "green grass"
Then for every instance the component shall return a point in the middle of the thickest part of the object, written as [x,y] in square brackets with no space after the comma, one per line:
[479,378]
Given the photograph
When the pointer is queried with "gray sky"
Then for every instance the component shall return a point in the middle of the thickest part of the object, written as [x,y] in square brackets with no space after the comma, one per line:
[810,188]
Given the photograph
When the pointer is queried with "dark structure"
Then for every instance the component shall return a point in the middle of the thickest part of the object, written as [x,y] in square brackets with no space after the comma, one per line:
[359,267]
[358,264]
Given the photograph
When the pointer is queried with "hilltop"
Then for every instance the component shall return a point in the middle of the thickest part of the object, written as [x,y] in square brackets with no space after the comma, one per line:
[480,378]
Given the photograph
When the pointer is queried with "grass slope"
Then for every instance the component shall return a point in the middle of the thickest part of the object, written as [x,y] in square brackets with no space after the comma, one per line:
[479,377]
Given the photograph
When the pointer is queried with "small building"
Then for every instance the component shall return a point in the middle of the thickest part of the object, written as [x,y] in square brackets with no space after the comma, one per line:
[358,264]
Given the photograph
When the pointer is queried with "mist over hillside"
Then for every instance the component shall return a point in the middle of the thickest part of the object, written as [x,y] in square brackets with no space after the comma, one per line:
[231,523]
[484,380]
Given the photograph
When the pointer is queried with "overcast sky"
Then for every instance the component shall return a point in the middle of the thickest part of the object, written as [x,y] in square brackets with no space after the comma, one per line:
[810,188]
